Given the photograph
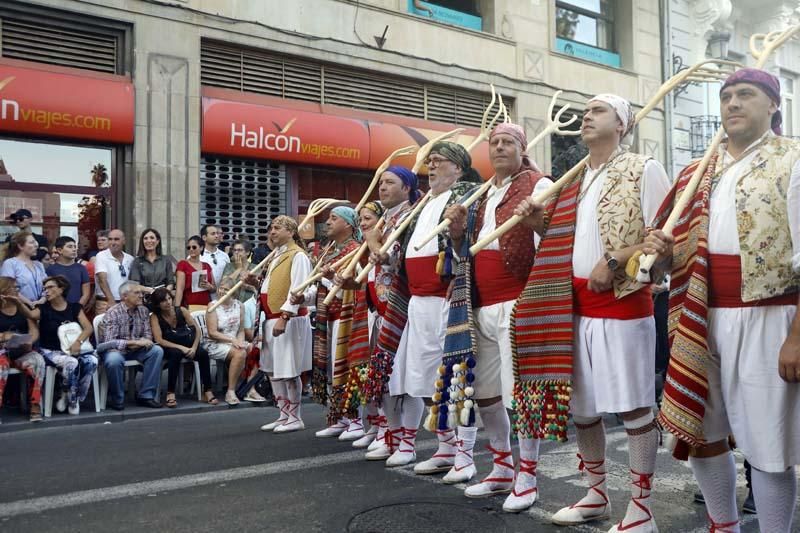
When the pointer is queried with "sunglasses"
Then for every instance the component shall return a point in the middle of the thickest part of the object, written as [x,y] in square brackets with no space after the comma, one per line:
[213,258]
[122,271]
[192,247]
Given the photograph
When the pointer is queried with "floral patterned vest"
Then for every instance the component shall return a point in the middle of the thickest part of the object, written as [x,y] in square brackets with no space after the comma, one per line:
[763,221]
[619,212]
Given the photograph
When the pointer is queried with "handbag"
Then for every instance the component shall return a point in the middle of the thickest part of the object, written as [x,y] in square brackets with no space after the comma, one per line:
[68,333]
[183,336]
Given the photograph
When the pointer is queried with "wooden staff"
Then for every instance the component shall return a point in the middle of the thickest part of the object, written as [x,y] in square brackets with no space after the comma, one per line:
[696,73]
[408,150]
[554,125]
[771,42]
[239,283]
[349,270]
[486,124]
[316,277]
[318,206]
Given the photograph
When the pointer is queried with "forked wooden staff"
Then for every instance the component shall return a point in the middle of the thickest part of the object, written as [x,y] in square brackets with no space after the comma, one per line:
[771,42]
[486,125]
[554,125]
[422,155]
[701,72]
[351,267]
[253,271]
[316,275]
[318,206]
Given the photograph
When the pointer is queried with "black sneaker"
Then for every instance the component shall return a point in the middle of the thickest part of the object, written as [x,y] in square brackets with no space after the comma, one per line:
[698,497]
[148,402]
[749,505]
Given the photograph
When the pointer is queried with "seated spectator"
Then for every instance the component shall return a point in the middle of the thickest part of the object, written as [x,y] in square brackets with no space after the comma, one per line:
[238,268]
[76,273]
[111,269]
[151,268]
[187,293]
[127,325]
[102,244]
[226,338]
[19,264]
[77,366]
[15,349]
[177,333]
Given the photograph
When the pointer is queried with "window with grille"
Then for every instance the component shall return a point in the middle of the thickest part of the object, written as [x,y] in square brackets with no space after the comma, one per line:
[241,196]
[45,35]
[262,72]
[703,128]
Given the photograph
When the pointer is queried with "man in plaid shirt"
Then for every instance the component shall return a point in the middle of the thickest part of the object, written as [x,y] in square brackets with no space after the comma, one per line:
[127,326]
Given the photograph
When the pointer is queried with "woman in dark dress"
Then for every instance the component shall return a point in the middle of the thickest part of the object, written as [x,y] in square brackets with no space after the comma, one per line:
[177,333]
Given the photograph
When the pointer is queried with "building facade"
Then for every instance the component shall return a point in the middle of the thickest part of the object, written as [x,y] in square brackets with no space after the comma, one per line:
[174,113]
[704,29]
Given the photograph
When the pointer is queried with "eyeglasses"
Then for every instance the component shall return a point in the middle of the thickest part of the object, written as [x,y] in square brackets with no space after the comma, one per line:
[192,247]
[435,161]
[122,271]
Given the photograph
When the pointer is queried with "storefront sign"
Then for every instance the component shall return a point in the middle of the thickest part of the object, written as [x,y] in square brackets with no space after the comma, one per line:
[65,103]
[446,15]
[250,129]
[587,52]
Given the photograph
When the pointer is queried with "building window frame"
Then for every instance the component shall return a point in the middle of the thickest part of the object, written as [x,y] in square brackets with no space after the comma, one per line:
[608,55]
[789,107]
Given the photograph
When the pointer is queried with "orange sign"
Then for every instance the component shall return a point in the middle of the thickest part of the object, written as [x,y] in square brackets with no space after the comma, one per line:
[253,126]
[61,102]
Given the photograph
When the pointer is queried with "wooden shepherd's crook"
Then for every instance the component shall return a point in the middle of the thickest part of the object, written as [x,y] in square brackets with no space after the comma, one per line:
[771,42]
[232,290]
[554,125]
[350,269]
[699,72]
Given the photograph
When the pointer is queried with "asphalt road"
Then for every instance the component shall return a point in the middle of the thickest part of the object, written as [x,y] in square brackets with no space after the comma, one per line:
[214,471]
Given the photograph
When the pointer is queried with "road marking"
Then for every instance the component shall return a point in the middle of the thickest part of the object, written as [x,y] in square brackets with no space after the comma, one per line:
[145,488]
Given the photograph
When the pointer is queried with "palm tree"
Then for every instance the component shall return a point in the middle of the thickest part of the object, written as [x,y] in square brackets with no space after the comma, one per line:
[99,175]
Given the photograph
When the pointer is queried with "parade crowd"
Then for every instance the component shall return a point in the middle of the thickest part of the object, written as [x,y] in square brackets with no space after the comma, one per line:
[548,325]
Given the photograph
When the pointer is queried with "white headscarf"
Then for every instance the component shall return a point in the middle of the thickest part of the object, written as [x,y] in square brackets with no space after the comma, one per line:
[623,109]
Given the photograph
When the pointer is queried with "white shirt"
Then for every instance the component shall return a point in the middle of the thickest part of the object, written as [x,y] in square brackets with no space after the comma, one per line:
[429,218]
[588,246]
[107,263]
[222,260]
[301,270]
[495,196]
[723,235]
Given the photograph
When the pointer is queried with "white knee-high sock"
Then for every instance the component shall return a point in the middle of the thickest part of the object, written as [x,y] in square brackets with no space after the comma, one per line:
[293,391]
[497,425]
[775,495]
[643,437]
[413,409]
[394,420]
[591,438]
[281,394]
[717,479]
[528,460]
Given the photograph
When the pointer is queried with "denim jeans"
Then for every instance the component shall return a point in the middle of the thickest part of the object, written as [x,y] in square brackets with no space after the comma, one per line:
[114,361]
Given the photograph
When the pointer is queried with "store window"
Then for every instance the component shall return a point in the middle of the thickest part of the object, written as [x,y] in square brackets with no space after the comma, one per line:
[585,29]
[67,188]
[462,13]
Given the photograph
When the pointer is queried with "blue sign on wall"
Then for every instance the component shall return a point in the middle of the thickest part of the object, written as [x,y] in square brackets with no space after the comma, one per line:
[587,52]
[448,16]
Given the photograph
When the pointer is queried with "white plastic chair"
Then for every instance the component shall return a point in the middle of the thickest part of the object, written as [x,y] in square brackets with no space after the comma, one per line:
[51,374]
[200,317]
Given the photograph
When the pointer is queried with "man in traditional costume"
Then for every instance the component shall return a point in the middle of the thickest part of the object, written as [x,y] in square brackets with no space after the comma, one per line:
[286,349]
[330,365]
[412,336]
[734,326]
[584,331]
[398,190]
[479,349]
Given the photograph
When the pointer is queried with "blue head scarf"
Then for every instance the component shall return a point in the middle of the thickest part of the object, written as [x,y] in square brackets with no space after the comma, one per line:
[349,215]
[409,179]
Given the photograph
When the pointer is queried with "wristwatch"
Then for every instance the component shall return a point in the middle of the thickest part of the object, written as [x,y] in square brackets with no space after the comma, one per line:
[612,262]
[286,316]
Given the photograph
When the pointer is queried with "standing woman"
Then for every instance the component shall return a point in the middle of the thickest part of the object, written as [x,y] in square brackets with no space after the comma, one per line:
[14,323]
[240,265]
[151,268]
[20,265]
[175,330]
[77,368]
[184,295]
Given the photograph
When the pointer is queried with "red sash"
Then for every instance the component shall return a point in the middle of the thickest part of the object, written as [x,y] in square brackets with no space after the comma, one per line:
[725,285]
[605,305]
[422,277]
[495,284]
[262,297]
[380,306]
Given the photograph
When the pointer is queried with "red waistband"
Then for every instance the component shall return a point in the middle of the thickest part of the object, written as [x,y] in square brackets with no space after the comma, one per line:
[422,277]
[591,304]
[725,285]
[495,284]
[263,299]
[380,307]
